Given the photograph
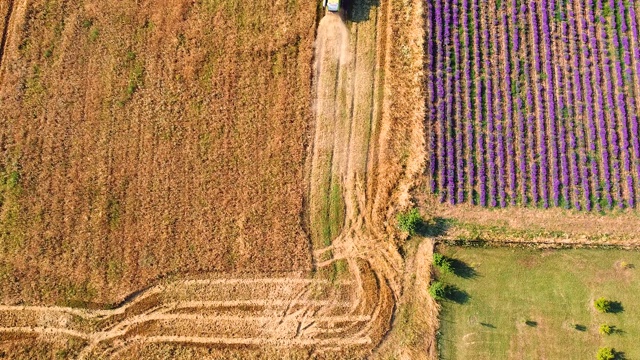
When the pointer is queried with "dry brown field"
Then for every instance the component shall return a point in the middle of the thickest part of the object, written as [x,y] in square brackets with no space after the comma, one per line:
[150,138]
[210,179]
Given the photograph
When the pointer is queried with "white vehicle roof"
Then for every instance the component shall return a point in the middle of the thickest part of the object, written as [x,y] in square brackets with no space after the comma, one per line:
[332,5]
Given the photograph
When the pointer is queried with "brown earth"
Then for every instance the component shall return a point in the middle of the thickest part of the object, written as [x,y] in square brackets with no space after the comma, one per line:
[151,138]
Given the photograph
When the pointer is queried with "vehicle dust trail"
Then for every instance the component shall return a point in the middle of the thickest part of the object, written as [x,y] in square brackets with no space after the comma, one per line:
[355,100]
[332,58]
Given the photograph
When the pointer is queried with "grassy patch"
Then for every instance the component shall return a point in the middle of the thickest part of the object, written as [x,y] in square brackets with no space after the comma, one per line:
[113,212]
[93,34]
[328,218]
[338,270]
[115,269]
[474,231]
[531,304]
[135,79]
[336,210]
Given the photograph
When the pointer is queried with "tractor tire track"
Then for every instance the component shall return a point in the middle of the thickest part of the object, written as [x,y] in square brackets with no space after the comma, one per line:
[5,32]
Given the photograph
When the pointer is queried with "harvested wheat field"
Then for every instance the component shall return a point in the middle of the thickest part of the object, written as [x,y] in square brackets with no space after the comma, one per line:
[207,179]
[150,138]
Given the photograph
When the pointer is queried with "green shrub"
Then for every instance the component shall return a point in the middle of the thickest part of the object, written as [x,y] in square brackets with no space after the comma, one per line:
[87,23]
[93,34]
[606,353]
[603,305]
[410,221]
[606,329]
[443,263]
[438,259]
[446,267]
[438,290]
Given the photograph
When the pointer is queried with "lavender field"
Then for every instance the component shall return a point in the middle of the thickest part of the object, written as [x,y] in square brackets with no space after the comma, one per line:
[534,102]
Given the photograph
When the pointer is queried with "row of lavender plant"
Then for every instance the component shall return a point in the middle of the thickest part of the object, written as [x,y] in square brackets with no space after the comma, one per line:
[533,103]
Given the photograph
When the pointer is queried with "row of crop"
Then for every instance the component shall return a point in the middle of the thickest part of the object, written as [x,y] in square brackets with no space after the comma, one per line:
[530,108]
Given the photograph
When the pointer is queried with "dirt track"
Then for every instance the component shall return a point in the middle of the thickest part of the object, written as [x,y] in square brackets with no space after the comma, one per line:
[287,314]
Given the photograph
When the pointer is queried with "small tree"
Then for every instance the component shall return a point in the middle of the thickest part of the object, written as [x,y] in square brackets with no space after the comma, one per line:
[438,290]
[603,305]
[443,263]
[606,329]
[446,266]
[410,221]
[606,353]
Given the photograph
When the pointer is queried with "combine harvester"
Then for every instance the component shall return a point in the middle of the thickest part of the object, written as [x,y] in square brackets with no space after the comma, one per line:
[332,5]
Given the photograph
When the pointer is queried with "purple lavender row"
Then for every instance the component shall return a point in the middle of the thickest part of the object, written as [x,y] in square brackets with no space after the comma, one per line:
[574,179]
[636,56]
[431,57]
[602,126]
[574,40]
[562,136]
[572,124]
[613,115]
[583,165]
[622,102]
[611,91]
[631,105]
[550,100]
[467,92]
[539,102]
[442,169]
[531,128]
[482,176]
[458,107]
[564,118]
[490,125]
[588,98]
[509,113]
[450,161]
[519,106]
[498,98]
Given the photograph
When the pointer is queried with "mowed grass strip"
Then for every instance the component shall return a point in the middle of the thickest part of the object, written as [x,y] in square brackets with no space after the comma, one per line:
[533,304]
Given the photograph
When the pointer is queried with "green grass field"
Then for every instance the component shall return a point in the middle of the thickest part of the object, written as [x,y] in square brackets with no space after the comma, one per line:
[534,304]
